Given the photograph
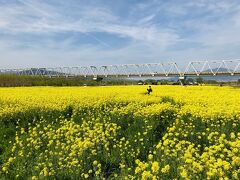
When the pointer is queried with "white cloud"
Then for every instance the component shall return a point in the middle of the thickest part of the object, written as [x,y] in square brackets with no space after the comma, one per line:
[91,19]
[157,31]
[3,23]
[146,19]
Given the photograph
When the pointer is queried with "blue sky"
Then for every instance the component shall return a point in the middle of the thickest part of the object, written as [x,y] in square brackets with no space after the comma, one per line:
[44,33]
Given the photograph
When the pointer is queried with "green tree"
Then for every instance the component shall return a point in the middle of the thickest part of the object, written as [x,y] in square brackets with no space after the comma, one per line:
[199,80]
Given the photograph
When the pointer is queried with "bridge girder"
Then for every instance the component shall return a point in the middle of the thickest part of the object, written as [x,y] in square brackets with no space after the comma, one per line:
[166,69]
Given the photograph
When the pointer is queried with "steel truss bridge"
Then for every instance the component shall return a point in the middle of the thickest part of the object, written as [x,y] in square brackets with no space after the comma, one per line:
[165,69]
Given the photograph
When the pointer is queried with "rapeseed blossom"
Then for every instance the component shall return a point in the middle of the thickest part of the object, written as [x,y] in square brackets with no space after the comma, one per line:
[118,132]
[155,167]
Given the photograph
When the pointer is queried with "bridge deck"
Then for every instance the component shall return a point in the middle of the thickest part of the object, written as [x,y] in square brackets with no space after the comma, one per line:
[148,75]
[169,69]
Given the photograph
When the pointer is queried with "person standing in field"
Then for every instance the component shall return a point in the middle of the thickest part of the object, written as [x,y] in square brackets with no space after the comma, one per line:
[149,90]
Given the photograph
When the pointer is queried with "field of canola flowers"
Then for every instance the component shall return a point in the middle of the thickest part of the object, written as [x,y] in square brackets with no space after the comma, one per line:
[120,133]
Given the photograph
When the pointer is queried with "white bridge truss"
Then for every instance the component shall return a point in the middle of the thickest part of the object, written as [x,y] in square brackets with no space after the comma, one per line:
[194,68]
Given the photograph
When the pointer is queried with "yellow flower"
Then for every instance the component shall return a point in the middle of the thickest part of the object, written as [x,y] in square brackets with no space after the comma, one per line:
[137,161]
[122,165]
[95,163]
[155,166]
[137,170]
[45,172]
[4,169]
[165,169]
[86,176]
[150,157]
[96,126]
[154,178]
[184,173]
[232,135]
[34,178]
[146,175]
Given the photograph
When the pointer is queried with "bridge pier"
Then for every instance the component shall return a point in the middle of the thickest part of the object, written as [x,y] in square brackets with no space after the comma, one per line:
[182,80]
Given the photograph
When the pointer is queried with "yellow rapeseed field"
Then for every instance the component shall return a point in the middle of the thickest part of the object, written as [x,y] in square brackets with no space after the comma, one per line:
[120,132]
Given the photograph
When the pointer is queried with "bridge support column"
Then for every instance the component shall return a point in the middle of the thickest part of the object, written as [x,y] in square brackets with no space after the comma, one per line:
[182,80]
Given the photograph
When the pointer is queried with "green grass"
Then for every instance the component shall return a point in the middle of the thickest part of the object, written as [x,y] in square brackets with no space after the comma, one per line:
[9,80]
